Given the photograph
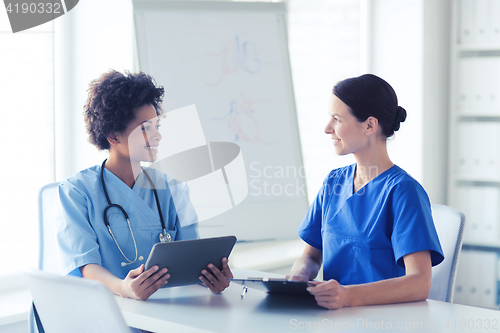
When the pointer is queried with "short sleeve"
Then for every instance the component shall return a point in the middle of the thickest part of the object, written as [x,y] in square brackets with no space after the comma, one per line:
[310,228]
[77,241]
[187,219]
[188,232]
[182,202]
[413,228]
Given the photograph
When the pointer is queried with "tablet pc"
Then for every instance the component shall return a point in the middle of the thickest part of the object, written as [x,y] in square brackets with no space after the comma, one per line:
[275,286]
[186,259]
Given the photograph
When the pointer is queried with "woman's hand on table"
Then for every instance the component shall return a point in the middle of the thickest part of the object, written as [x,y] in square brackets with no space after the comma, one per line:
[329,294]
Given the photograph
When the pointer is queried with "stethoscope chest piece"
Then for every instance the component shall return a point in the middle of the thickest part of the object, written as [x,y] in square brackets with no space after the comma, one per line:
[165,237]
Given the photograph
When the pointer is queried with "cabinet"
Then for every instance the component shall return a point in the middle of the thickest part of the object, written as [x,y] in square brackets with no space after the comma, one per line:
[474,137]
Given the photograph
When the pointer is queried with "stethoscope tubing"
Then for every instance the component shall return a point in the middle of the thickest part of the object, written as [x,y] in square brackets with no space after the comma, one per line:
[166,236]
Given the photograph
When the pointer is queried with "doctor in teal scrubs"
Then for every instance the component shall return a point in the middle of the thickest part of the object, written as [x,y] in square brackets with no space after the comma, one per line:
[370,225]
[123,114]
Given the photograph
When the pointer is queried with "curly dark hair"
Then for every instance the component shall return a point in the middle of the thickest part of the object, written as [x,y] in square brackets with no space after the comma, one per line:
[112,101]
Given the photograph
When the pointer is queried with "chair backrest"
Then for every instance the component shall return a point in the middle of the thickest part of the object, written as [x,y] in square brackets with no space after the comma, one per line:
[48,259]
[73,304]
[449,224]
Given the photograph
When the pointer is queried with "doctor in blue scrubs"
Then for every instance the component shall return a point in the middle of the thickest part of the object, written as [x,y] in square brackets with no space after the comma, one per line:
[370,225]
[95,238]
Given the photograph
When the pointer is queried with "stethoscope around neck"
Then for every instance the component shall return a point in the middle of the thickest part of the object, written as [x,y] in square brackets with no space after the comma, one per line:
[164,236]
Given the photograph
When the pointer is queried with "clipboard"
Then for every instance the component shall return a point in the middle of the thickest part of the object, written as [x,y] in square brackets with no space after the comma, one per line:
[186,259]
[275,286]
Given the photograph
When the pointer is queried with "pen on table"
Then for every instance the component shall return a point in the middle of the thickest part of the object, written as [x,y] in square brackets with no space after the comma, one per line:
[245,289]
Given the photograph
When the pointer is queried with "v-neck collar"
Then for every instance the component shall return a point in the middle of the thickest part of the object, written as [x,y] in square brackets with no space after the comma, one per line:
[375,179]
[124,187]
[132,196]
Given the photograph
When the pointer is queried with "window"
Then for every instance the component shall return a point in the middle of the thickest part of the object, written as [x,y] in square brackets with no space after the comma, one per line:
[27,139]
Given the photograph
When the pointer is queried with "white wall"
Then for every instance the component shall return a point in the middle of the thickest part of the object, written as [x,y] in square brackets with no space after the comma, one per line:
[324,41]
[395,54]
[19,327]
[91,39]
[324,48]
[436,57]
[409,47]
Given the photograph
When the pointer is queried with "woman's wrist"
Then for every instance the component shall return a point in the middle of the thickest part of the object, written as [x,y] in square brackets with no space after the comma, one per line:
[351,296]
[303,274]
[120,288]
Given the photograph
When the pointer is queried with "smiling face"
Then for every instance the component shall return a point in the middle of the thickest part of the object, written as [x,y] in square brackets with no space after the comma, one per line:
[348,134]
[140,140]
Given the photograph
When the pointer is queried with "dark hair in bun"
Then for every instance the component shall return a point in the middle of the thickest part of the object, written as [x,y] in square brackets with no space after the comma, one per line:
[370,96]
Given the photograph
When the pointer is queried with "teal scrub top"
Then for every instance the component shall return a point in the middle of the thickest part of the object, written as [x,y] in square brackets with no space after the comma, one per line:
[365,235]
[82,236]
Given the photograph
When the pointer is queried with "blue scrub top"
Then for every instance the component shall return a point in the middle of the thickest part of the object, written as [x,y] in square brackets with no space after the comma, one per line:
[82,236]
[365,235]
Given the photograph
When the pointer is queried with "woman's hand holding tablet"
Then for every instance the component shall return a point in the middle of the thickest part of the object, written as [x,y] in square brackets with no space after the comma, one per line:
[219,280]
[140,284]
[191,261]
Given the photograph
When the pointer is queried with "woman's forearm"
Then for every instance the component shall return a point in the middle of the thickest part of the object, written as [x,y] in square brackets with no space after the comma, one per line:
[414,286]
[308,264]
[101,274]
[408,288]
[305,266]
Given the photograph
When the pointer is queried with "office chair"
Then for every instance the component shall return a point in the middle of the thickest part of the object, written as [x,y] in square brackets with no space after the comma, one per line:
[72,304]
[449,224]
[48,256]
[48,260]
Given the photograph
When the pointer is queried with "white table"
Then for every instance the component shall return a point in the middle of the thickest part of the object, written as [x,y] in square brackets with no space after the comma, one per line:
[196,309]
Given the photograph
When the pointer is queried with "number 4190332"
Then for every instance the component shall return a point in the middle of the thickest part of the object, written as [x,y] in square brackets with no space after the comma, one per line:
[472,324]
[33,8]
